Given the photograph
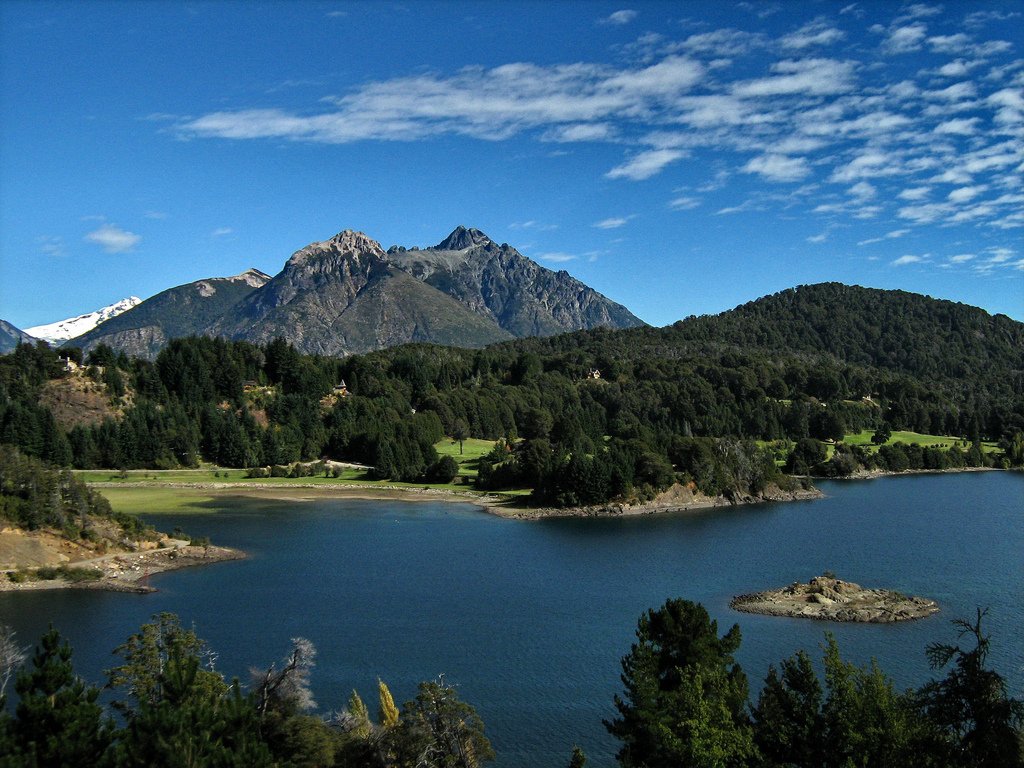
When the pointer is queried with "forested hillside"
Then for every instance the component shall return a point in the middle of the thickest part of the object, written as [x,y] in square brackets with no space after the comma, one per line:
[581,418]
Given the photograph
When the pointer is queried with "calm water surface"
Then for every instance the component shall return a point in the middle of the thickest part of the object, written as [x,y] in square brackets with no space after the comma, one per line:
[529,619]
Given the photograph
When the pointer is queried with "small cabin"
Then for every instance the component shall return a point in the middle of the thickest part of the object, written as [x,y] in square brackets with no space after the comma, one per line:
[68,365]
[594,374]
[341,389]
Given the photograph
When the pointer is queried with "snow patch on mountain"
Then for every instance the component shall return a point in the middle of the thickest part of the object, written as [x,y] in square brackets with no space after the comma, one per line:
[63,330]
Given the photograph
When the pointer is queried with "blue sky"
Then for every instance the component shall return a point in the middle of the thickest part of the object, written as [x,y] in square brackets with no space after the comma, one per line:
[681,158]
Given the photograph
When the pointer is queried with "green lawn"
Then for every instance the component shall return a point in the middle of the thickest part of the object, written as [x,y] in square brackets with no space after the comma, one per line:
[925,441]
[472,449]
[134,491]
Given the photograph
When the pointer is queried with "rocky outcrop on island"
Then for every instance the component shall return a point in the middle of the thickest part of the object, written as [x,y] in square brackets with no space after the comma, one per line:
[830,599]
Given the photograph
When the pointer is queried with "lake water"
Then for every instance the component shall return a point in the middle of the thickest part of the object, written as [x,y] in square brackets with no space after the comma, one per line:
[530,619]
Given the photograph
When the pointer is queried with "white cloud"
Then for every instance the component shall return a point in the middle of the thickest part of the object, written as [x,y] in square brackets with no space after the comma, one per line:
[810,77]
[113,239]
[962,258]
[964,194]
[221,232]
[614,222]
[915,193]
[893,235]
[868,164]
[817,32]
[908,259]
[905,39]
[490,104]
[619,17]
[957,68]
[683,203]
[778,167]
[815,239]
[557,257]
[535,225]
[862,191]
[579,132]
[645,164]
[158,215]
[964,126]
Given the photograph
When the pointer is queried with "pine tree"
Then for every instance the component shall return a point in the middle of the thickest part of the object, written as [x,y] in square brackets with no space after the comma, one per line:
[685,700]
[58,721]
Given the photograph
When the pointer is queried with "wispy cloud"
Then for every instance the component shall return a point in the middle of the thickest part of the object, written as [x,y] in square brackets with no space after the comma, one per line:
[557,257]
[619,17]
[645,164]
[817,32]
[875,135]
[534,225]
[778,167]
[614,222]
[113,239]
[908,259]
[221,232]
[52,245]
[683,203]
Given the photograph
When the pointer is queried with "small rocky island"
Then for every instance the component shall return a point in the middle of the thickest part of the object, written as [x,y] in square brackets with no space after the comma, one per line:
[831,599]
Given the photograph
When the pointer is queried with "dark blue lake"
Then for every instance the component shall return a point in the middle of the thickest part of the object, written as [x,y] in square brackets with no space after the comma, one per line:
[529,619]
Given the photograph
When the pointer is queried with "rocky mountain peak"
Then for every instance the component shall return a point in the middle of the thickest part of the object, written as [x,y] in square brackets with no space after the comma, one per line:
[462,238]
[348,242]
[252,277]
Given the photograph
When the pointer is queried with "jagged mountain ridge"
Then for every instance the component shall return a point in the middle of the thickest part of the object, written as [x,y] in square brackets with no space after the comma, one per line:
[62,330]
[347,295]
[488,278]
[343,296]
[184,310]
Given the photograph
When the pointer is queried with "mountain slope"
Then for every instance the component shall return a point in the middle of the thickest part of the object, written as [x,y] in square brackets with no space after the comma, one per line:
[62,330]
[185,310]
[342,296]
[499,283]
[10,337]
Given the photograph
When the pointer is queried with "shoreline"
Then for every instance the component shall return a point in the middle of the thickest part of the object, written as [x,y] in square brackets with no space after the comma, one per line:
[669,501]
[123,571]
[675,499]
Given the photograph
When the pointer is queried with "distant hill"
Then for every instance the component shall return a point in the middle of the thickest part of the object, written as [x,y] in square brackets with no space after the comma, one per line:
[894,330]
[10,337]
[60,331]
[347,295]
[953,347]
[185,310]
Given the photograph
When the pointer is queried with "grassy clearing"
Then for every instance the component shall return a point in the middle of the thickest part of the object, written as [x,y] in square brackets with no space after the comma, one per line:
[472,450]
[140,501]
[925,441]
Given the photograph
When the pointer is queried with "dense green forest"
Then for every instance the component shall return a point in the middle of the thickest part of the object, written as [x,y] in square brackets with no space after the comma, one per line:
[580,418]
[685,703]
[33,495]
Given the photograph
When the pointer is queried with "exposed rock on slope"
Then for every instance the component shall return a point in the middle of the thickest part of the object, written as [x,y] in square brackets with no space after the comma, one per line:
[499,283]
[342,296]
[831,599]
